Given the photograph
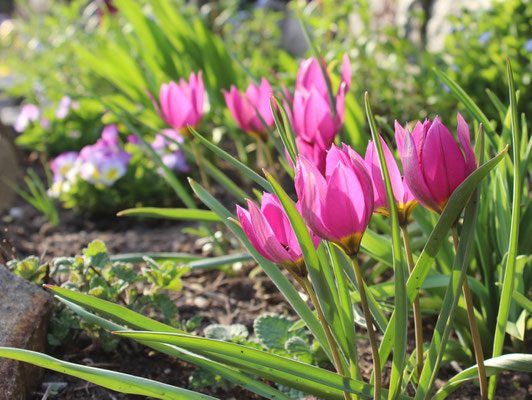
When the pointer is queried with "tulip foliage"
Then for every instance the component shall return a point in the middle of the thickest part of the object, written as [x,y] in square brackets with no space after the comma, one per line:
[325,232]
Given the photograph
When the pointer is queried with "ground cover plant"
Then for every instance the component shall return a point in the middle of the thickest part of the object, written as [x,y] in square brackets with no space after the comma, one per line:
[378,237]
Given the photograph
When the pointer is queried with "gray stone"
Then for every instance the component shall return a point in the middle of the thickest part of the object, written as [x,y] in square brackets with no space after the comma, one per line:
[24,311]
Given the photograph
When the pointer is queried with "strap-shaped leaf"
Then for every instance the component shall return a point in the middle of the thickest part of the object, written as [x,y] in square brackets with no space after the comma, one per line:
[268,360]
[115,312]
[110,379]
[187,214]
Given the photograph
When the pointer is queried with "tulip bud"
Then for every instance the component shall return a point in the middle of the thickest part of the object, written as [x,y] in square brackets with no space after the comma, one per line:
[336,207]
[244,108]
[269,231]
[434,164]
[181,104]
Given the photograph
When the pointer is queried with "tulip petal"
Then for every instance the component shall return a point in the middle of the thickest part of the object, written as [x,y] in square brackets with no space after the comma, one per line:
[414,177]
[344,204]
[311,188]
[442,162]
[276,216]
[249,231]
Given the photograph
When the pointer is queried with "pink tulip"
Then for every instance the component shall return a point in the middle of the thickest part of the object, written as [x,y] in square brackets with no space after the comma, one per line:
[244,108]
[269,231]
[313,118]
[181,104]
[404,199]
[336,207]
[434,164]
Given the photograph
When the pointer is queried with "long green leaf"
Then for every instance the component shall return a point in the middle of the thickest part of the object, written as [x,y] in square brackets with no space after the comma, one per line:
[110,379]
[268,360]
[187,214]
[494,366]
[230,374]
[115,312]
[162,256]
[452,210]
[509,271]
[401,302]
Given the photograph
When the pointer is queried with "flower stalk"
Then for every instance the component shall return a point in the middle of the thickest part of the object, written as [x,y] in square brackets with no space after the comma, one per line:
[477,344]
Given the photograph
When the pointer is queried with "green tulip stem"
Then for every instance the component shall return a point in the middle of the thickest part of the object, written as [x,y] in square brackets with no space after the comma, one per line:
[369,323]
[477,344]
[305,282]
[418,324]
[199,163]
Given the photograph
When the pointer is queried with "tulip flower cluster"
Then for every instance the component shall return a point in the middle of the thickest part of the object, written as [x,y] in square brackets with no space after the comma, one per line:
[337,206]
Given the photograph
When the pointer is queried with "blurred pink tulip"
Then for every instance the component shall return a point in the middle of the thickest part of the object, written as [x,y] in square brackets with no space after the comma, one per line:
[336,207]
[404,199]
[269,231]
[181,104]
[434,164]
[244,108]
